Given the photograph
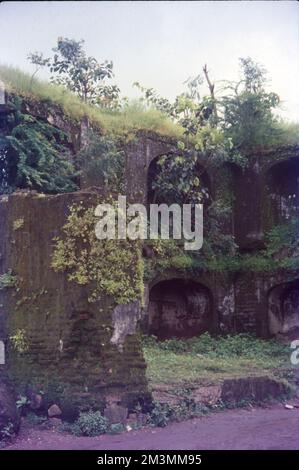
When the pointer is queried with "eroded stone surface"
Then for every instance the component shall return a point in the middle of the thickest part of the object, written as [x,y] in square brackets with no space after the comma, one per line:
[252,389]
[125,319]
[178,308]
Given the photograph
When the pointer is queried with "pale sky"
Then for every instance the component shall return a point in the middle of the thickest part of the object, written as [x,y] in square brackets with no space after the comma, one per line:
[161,44]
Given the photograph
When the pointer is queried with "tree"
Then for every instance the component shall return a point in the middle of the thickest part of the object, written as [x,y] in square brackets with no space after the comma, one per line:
[83,75]
[242,112]
[219,128]
[247,109]
[188,109]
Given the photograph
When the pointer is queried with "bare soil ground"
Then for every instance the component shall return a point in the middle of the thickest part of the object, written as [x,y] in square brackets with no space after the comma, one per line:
[256,428]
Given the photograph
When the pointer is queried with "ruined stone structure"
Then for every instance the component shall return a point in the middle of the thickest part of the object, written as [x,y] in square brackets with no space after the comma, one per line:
[91,353]
[179,308]
[266,193]
[83,344]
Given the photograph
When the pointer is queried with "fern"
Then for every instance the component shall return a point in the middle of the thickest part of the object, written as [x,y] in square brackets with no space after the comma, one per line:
[38,157]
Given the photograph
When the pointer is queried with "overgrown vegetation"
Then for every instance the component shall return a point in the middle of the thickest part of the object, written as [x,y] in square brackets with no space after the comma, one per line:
[33,154]
[83,75]
[219,252]
[164,413]
[245,345]
[124,123]
[207,359]
[236,118]
[90,423]
[111,266]
[218,129]
[221,126]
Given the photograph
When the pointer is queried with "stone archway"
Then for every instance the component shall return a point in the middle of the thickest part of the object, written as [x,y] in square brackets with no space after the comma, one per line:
[154,169]
[179,308]
[282,182]
[284,310]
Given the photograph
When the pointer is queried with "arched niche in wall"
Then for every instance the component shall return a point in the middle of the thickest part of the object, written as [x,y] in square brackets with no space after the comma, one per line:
[153,196]
[282,185]
[283,310]
[179,308]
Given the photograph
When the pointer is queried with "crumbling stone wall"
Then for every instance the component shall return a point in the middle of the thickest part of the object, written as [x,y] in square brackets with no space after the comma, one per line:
[90,354]
[284,310]
[240,299]
[83,351]
[246,302]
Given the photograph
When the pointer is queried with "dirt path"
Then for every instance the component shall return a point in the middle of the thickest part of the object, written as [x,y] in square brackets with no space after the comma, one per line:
[258,428]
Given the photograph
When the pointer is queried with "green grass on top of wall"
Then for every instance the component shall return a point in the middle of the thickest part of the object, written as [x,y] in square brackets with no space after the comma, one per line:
[131,119]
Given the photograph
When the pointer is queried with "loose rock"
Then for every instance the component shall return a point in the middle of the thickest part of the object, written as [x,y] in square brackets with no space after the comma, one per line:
[54,410]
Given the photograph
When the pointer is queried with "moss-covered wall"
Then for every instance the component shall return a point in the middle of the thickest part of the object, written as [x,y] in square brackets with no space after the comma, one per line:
[90,352]
[55,337]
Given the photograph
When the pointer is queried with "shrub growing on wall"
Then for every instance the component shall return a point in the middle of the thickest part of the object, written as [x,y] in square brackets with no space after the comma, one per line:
[34,155]
[113,267]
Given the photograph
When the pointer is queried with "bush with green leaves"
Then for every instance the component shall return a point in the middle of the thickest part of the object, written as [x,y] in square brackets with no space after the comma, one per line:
[160,415]
[282,236]
[110,267]
[186,408]
[248,118]
[83,75]
[116,428]
[7,280]
[6,432]
[102,162]
[178,180]
[231,120]
[90,423]
[34,155]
